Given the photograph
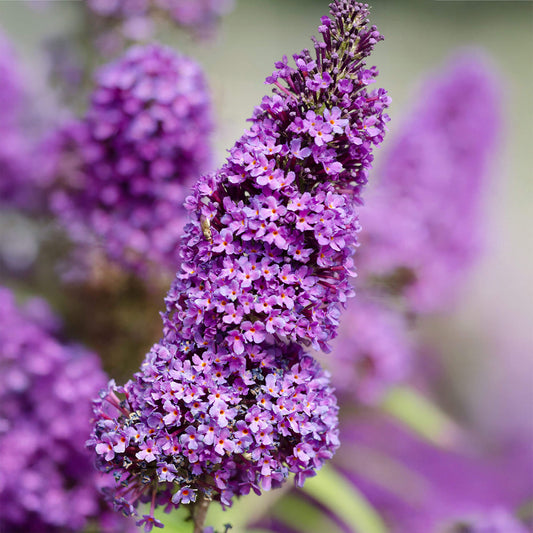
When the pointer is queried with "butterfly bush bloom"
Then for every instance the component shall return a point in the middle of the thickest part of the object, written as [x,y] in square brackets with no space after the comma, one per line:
[127,166]
[422,225]
[215,425]
[229,401]
[372,352]
[47,478]
[274,229]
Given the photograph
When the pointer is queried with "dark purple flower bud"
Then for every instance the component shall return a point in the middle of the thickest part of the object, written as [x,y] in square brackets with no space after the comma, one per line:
[127,166]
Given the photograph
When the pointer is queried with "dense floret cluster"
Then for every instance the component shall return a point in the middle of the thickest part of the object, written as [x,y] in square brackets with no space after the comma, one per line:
[372,352]
[422,224]
[45,407]
[269,250]
[217,425]
[129,163]
[197,14]
[229,401]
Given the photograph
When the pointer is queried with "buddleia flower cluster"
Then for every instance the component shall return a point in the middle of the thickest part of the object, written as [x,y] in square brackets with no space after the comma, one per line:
[373,352]
[229,401]
[126,167]
[45,404]
[423,220]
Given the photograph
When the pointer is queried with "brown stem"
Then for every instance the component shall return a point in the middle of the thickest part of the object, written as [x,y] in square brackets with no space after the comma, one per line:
[200,513]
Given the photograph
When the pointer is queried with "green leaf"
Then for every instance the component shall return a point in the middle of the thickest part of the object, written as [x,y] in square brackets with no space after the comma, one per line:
[420,415]
[176,521]
[301,516]
[335,492]
[245,510]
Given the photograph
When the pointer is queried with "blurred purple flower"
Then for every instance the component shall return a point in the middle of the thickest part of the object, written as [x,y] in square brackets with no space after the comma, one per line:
[196,14]
[422,226]
[47,479]
[426,487]
[125,169]
[372,352]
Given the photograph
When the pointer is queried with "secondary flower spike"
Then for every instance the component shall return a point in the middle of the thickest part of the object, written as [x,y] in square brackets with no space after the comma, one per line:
[229,401]
[47,479]
[422,226]
[129,164]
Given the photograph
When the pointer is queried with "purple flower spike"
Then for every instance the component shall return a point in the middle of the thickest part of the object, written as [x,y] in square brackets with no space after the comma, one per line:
[47,478]
[229,398]
[144,140]
[422,226]
[284,203]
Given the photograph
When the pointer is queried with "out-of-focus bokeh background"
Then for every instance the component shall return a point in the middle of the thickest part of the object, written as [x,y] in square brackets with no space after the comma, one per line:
[486,341]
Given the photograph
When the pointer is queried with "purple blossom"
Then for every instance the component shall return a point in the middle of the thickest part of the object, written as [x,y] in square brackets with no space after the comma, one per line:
[422,226]
[227,335]
[149,522]
[235,441]
[296,158]
[47,479]
[372,352]
[144,139]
